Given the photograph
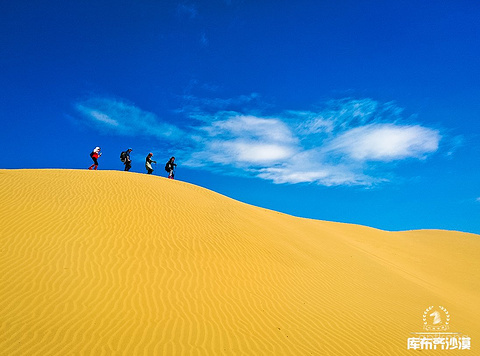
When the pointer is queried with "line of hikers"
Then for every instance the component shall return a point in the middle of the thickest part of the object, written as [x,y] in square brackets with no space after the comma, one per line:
[125,158]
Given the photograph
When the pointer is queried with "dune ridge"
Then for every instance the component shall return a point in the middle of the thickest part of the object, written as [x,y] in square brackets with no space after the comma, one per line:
[107,262]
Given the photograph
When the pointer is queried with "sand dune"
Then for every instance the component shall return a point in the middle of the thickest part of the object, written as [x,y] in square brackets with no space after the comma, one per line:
[102,263]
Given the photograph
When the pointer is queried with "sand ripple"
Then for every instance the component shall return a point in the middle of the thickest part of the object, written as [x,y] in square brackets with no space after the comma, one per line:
[103,263]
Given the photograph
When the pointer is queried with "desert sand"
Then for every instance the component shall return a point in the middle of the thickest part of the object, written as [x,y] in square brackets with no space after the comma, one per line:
[110,263]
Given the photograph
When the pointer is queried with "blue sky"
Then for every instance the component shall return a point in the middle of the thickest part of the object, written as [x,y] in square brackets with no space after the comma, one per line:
[364,112]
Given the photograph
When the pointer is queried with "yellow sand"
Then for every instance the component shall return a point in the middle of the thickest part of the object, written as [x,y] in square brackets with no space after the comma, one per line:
[104,263]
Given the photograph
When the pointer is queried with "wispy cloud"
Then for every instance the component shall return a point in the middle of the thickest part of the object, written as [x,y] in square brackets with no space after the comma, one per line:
[339,144]
[207,108]
[122,118]
[248,140]
[330,146]
[188,9]
[203,39]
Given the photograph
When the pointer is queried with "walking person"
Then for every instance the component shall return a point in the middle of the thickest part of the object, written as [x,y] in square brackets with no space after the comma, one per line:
[148,163]
[95,154]
[125,158]
[170,168]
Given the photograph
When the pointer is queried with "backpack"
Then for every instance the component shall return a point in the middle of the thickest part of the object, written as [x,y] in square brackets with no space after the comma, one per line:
[91,154]
[123,156]
[167,167]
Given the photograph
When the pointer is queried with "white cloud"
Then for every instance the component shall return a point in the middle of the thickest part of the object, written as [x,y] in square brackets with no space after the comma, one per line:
[327,175]
[386,142]
[330,146]
[122,118]
[313,166]
[261,152]
[101,117]
[247,153]
[243,141]
[256,128]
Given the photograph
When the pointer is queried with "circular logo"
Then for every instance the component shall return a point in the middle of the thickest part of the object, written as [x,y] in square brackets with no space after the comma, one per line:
[436,318]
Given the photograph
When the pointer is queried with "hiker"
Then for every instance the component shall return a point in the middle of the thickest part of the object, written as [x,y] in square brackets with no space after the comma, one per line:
[170,167]
[125,158]
[94,155]
[148,163]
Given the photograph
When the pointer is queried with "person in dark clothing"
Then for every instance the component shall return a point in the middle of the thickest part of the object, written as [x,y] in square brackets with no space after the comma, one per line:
[148,163]
[95,155]
[170,168]
[128,161]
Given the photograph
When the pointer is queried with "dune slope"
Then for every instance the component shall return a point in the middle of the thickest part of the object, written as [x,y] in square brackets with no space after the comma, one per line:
[122,263]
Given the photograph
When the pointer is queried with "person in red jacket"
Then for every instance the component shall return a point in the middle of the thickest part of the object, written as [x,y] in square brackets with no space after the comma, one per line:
[95,154]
